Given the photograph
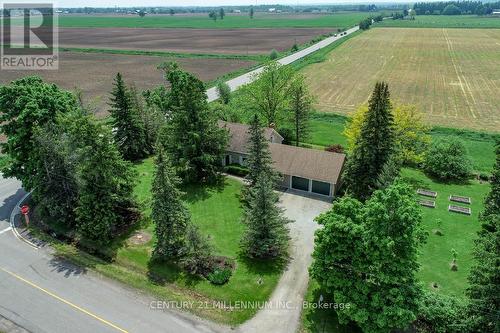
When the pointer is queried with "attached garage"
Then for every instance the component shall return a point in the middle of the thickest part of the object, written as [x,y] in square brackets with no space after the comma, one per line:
[299,183]
[320,188]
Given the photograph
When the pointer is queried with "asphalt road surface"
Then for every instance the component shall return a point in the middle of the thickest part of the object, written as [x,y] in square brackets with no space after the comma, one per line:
[249,77]
[44,295]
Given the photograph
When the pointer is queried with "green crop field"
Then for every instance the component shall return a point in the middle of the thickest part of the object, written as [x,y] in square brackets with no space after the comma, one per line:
[338,20]
[444,21]
[452,75]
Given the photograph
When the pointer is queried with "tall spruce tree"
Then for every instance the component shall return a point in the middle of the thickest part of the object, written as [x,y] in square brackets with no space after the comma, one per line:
[374,146]
[105,182]
[193,139]
[259,157]
[169,214]
[300,109]
[484,277]
[267,234]
[129,130]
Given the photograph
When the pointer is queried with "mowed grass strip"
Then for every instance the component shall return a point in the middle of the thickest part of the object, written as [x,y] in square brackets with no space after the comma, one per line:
[217,212]
[459,232]
[452,75]
[261,20]
[444,21]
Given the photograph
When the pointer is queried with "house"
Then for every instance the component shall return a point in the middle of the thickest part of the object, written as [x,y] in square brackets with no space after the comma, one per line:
[309,170]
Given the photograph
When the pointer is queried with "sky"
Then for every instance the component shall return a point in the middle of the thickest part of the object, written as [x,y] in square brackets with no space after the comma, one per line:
[177,3]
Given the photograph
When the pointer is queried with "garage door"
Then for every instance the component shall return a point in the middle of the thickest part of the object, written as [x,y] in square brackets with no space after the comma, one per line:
[320,187]
[300,183]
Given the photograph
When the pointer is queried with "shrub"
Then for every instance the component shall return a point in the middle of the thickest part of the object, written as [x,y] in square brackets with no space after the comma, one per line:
[224,92]
[447,160]
[337,148]
[274,55]
[440,314]
[237,170]
[220,276]
[294,48]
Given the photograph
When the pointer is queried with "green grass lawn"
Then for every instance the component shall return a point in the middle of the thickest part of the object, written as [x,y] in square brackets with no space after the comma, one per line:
[459,232]
[443,21]
[326,129]
[337,20]
[217,212]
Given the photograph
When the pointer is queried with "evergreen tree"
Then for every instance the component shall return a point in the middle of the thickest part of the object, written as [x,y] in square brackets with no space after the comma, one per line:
[259,160]
[484,277]
[374,146]
[128,126]
[222,13]
[55,185]
[168,212]
[366,255]
[267,234]
[300,107]
[105,182]
[251,12]
[192,137]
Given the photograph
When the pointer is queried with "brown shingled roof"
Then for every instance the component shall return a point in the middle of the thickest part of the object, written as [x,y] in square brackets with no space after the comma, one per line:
[307,163]
[239,136]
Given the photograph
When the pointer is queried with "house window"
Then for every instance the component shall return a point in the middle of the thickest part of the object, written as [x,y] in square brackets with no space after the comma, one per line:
[321,187]
[299,183]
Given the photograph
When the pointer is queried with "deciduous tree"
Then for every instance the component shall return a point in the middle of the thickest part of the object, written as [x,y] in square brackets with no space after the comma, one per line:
[269,94]
[366,255]
[25,104]
[447,159]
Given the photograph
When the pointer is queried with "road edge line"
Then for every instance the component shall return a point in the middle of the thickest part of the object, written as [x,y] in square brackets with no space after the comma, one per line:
[16,211]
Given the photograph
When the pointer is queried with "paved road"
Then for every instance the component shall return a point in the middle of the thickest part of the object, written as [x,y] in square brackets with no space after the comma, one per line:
[283,316]
[241,80]
[44,295]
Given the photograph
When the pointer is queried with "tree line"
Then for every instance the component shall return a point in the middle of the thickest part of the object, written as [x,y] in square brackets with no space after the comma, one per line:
[455,7]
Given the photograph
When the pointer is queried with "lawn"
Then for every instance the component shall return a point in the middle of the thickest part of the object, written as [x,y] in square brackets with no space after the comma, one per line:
[459,232]
[326,129]
[217,212]
[261,20]
[452,75]
[444,21]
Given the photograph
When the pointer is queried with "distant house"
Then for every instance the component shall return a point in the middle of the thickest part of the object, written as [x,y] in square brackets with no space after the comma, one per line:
[237,11]
[272,10]
[496,12]
[309,170]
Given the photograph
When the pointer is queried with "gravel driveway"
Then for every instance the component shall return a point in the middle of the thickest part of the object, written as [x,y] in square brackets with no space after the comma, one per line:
[285,304]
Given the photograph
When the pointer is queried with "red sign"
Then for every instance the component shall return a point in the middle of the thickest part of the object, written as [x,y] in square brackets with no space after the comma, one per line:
[25,210]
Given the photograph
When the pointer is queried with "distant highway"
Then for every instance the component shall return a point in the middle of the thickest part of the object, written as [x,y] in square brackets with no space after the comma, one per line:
[241,80]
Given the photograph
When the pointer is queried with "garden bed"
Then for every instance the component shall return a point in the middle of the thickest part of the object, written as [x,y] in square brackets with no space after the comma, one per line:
[461,210]
[427,203]
[427,193]
[456,198]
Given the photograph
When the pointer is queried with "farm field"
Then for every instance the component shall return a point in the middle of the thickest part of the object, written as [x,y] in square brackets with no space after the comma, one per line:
[444,21]
[231,21]
[93,73]
[452,75]
[208,41]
